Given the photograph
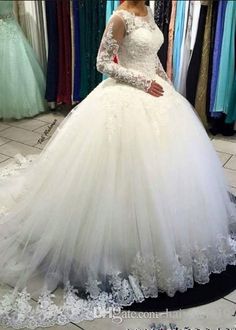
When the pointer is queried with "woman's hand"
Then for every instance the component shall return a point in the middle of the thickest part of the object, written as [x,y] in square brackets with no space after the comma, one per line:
[155,89]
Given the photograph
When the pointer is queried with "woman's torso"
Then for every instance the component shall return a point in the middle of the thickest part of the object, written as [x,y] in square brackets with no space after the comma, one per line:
[142,41]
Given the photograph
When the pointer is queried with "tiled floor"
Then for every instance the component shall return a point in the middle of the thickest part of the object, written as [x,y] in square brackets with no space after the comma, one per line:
[22,137]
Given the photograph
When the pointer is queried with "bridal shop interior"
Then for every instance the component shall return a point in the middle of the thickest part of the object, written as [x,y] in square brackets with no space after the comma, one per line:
[48,68]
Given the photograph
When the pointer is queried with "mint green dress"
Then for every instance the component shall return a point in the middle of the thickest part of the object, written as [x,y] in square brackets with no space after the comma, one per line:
[22,82]
[225,83]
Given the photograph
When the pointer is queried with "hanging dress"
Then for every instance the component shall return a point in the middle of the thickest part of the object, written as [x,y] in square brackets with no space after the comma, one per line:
[227,61]
[162,14]
[31,19]
[231,114]
[53,51]
[22,82]
[180,81]
[195,62]
[201,93]
[217,51]
[77,74]
[64,91]
[169,62]
[178,38]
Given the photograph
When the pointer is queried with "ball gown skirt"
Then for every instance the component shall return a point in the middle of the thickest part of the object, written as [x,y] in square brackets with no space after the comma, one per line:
[128,199]
[22,82]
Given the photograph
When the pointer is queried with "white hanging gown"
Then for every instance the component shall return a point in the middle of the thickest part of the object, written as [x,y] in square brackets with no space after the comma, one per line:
[128,198]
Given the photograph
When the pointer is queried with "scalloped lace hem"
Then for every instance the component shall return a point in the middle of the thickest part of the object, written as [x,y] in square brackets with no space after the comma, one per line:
[146,280]
[18,163]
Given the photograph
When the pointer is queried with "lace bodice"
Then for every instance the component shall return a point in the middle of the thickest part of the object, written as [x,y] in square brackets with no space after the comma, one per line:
[135,40]
[6,8]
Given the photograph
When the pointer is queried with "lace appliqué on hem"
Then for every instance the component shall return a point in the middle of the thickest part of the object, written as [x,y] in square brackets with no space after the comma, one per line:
[8,28]
[147,279]
[19,162]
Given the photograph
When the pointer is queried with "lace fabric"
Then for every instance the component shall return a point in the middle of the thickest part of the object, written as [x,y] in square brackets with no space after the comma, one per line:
[8,27]
[6,16]
[118,41]
[147,279]
[118,178]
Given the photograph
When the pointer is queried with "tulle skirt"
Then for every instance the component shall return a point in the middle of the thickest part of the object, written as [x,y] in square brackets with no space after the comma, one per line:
[22,82]
[128,199]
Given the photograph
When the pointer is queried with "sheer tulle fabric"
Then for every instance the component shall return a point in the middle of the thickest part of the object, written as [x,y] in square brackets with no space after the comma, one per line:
[128,199]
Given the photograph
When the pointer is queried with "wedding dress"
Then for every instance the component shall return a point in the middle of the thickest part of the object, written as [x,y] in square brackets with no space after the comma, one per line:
[22,81]
[128,198]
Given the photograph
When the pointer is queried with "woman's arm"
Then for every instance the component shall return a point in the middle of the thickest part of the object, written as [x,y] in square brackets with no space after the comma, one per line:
[110,43]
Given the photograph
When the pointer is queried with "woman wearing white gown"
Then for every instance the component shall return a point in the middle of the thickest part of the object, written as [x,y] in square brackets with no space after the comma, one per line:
[128,198]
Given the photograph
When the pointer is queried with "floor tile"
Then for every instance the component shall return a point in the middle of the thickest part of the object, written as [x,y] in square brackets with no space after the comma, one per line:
[3,140]
[4,289]
[214,315]
[42,145]
[3,158]
[231,296]
[12,148]
[211,136]
[50,117]
[6,162]
[42,129]
[69,326]
[230,175]
[58,296]
[226,138]
[233,190]
[224,157]
[29,124]
[21,135]
[3,126]
[231,163]
[224,146]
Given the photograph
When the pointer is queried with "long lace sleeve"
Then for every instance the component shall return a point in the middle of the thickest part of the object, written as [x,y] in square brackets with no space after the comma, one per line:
[161,72]
[109,46]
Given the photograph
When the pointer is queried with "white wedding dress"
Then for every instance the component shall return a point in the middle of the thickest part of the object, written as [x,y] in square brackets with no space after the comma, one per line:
[128,198]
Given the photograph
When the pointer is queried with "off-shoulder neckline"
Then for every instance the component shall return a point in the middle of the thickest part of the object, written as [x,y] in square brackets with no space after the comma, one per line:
[131,13]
